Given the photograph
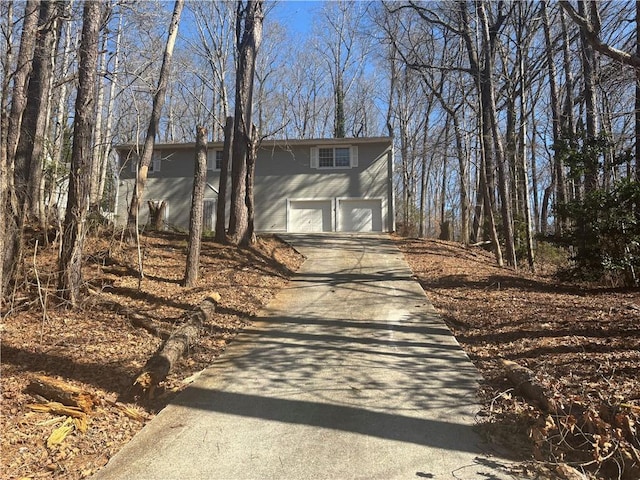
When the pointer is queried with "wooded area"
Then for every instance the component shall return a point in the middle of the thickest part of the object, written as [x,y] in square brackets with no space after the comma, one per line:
[516,124]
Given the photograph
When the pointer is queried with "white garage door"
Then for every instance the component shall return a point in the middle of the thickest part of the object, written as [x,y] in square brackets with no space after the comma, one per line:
[360,215]
[309,216]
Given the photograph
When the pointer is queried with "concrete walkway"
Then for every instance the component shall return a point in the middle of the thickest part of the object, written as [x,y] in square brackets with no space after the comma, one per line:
[349,373]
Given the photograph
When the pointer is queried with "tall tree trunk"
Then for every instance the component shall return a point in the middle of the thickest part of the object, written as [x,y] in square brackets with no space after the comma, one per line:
[96,165]
[11,207]
[197,206]
[28,161]
[568,123]
[589,77]
[106,144]
[221,204]
[637,103]
[21,76]
[252,155]
[248,36]
[70,263]
[154,121]
[489,109]
[556,121]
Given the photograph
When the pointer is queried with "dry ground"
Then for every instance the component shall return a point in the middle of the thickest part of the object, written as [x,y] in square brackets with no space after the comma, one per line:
[99,350]
[582,343]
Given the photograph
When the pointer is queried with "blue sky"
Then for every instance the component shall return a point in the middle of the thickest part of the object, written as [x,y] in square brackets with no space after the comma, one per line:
[297,14]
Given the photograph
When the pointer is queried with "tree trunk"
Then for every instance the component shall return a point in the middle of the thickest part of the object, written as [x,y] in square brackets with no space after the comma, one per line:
[221,205]
[21,75]
[558,164]
[157,211]
[637,104]
[184,337]
[28,161]
[70,263]
[106,144]
[11,207]
[197,206]
[249,30]
[154,121]
[65,393]
[96,165]
[489,106]
[251,173]
[589,76]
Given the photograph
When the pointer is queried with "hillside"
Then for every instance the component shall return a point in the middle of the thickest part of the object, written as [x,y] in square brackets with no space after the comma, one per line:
[582,343]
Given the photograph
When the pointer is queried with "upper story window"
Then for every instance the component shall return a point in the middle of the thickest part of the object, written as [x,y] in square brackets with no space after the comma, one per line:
[334,157]
[214,160]
[154,166]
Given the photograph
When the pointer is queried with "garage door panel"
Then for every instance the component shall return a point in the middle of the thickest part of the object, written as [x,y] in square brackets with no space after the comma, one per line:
[309,216]
[360,215]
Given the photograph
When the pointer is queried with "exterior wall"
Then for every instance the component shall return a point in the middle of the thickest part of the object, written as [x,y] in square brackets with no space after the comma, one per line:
[283,172]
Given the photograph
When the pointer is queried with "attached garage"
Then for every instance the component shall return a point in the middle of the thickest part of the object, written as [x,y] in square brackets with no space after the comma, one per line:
[359,215]
[307,216]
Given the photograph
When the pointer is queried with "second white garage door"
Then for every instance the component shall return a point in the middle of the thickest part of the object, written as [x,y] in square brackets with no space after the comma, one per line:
[359,215]
[309,216]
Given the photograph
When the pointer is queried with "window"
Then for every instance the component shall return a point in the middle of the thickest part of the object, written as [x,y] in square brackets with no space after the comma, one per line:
[334,157]
[156,159]
[214,160]
[154,166]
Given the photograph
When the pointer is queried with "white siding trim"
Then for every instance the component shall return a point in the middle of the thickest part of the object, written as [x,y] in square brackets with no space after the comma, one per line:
[353,155]
[157,160]
[314,162]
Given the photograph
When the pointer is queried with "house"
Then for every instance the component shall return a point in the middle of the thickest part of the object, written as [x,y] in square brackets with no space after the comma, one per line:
[321,185]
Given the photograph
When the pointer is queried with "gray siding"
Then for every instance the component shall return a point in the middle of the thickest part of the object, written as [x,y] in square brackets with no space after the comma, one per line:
[283,172]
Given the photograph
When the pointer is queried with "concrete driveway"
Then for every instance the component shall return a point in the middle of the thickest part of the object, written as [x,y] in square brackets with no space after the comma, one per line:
[348,373]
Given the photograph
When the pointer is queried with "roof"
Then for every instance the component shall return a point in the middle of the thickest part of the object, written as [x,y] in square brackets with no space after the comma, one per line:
[283,143]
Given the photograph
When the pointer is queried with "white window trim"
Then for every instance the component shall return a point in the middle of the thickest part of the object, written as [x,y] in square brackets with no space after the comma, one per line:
[212,160]
[155,166]
[315,157]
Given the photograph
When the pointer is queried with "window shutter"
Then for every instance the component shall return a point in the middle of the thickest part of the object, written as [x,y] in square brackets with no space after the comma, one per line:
[211,160]
[314,157]
[156,161]
[353,154]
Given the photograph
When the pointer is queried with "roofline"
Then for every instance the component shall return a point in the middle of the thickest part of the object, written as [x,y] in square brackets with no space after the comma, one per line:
[282,143]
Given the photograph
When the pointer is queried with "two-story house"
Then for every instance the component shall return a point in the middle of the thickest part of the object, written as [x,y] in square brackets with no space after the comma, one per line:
[321,185]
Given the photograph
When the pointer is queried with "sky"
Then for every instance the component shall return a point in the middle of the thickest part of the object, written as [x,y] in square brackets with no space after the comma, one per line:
[298,14]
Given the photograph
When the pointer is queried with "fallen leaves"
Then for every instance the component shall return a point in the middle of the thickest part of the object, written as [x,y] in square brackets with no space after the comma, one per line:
[95,349]
[581,342]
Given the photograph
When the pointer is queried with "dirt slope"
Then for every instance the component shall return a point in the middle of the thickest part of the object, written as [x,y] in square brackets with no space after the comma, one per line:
[582,344]
[98,349]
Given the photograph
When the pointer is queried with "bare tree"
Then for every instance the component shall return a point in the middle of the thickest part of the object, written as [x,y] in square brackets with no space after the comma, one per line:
[197,205]
[156,111]
[28,160]
[343,54]
[70,262]
[10,211]
[221,210]
[248,36]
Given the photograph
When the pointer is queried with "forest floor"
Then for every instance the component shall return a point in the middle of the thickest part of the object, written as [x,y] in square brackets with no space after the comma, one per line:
[582,342]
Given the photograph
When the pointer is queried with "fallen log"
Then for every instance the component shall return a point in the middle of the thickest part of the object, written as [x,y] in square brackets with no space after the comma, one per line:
[57,408]
[62,392]
[185,336]
[139,321]
[525,382]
